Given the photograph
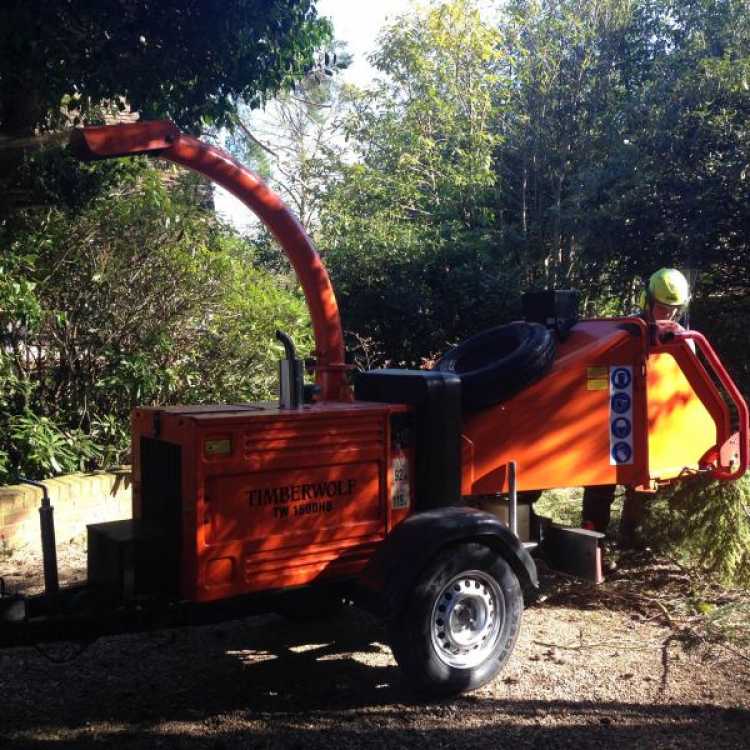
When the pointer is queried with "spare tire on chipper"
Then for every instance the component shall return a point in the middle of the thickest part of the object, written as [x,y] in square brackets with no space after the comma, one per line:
[496,364]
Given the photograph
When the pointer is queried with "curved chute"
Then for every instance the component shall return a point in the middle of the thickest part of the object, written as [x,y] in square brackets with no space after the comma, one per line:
[163,139]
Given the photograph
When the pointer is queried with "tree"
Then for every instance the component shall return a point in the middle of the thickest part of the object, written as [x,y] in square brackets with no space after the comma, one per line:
[624,144]
[407,223]
[143,300]
[190,61]
[565,145]
[297,136]
[80,62]
[688,123]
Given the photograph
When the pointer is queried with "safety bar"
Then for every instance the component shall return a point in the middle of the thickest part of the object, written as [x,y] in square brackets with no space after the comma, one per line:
[734,393]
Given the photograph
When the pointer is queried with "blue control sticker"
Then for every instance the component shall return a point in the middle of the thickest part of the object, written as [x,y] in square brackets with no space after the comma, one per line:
[621,427]
[622,453]
[620,403]
[621,378]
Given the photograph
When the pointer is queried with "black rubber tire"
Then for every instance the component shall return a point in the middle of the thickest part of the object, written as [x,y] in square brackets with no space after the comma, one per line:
[410,633]
[496,364]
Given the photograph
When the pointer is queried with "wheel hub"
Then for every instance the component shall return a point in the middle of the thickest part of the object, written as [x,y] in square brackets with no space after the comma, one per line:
[466,619]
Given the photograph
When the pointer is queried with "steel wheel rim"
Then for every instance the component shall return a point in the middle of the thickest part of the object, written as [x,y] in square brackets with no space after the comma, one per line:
[467,618]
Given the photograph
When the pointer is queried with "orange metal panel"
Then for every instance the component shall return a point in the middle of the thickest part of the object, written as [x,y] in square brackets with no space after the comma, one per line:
[681,429]
[566,430]
[275,498]
[290,507]
[558,430]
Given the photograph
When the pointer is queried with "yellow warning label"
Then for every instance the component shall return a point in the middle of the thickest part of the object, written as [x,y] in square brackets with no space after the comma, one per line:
[597,373]
[218,447]
[597,378]
[597,384]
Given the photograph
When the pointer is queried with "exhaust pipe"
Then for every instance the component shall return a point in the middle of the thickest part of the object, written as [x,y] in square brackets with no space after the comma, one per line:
[291,375]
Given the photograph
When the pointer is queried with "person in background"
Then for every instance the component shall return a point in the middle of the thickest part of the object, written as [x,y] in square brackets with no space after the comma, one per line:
[665,297]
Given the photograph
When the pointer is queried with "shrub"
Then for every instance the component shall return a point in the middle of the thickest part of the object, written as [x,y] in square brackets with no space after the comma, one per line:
[142,298]
[705,524]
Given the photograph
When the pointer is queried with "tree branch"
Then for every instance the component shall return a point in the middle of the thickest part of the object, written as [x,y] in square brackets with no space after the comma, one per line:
[247,132]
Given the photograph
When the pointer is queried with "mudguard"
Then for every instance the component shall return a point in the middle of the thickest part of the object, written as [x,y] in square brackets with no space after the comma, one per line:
[399,561]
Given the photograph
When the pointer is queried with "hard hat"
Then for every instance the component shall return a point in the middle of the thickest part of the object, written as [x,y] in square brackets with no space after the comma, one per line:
[669,287]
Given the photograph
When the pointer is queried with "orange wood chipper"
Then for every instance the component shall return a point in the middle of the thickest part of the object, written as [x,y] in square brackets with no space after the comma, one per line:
[402,490]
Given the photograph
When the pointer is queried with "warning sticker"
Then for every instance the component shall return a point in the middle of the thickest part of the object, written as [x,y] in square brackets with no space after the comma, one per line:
[620,415]
[597,378]
[400,489]
[597,385]
[219,447]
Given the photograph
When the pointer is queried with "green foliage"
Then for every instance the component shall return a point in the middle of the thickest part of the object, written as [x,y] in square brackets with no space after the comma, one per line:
[626,142]
[44,449]
[580,144]
[145,299]
[563,506]
[54,177]
[407,229]
[706,524]
[686,115]
[724,319]
[18,302]
[730,622]
[184,60]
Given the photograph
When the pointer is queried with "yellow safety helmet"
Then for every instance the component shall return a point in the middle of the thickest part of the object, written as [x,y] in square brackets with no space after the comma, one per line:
[667,286]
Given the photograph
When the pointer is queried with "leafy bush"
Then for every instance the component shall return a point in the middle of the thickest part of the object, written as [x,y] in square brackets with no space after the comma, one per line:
[45,449]
[705,524]
[137,298]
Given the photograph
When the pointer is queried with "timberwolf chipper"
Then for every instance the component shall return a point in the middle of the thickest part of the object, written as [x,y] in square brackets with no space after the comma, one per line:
[401,490]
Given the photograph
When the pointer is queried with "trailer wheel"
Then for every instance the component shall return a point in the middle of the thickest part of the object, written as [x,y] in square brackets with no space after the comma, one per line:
[461,623]
[497,363]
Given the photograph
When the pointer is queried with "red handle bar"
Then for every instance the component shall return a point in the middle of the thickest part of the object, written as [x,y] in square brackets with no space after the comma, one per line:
[734,393]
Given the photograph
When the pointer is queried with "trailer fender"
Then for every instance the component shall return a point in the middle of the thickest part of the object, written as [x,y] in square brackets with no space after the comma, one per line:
[417,541]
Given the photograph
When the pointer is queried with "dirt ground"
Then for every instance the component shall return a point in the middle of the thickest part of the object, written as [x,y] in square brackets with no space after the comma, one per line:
[594,668]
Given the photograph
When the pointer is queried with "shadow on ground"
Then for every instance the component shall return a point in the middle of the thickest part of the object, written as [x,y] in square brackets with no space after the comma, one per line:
[266,682]
[632,574]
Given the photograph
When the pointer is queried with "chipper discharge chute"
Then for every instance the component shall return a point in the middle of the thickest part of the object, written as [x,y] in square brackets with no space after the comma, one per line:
[374,493]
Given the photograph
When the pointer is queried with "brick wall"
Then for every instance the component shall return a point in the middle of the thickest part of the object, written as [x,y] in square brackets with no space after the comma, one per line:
[78,499]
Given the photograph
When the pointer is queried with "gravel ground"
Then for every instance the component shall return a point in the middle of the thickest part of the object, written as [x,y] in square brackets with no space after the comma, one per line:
[593,668]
